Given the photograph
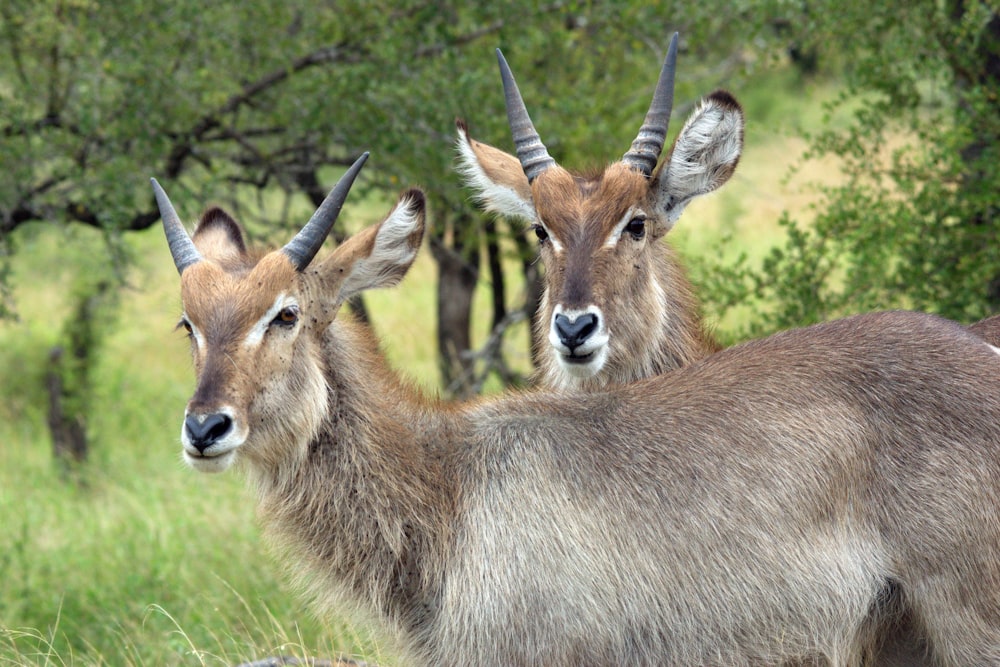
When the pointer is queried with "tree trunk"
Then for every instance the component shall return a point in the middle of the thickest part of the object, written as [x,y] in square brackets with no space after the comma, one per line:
[531,268]
[458,273]
[69,432]
[495,262]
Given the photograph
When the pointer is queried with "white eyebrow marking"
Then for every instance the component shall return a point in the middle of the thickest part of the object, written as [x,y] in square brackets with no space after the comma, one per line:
[616,233]
[199,339]
[556,245]
[258,330]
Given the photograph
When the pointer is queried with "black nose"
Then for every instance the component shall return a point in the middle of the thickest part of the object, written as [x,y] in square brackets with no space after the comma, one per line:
[573,333]
[206,432]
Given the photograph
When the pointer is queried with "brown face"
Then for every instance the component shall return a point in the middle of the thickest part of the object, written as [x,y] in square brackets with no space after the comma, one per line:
[255,387]
[596,238]
[257,327]
[616,305]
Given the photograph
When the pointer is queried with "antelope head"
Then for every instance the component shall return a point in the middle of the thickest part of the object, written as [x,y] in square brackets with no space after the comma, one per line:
[608,287]
[256,323]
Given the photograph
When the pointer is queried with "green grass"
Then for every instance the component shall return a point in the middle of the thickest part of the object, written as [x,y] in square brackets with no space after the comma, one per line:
[149,563]
[144,562]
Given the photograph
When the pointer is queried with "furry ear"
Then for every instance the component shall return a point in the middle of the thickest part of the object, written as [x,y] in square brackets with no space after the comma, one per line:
[704,155]
[218,237]
[497,177]
[378,256]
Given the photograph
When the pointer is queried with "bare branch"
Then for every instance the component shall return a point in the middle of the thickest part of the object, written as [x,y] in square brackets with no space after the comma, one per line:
[339,53]
[490,359]
[429,50]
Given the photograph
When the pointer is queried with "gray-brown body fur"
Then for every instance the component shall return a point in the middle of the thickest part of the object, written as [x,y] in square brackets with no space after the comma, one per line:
[641,289]
[748,509]
[638,527]
[988,329]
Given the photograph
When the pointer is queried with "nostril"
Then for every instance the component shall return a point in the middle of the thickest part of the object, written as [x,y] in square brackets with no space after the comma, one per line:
[203,432]
[572,333]
[587,324]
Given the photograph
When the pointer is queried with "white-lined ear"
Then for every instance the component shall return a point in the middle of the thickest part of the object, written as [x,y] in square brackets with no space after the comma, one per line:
[496,177]
[704,155]
[219,237]
[382,254]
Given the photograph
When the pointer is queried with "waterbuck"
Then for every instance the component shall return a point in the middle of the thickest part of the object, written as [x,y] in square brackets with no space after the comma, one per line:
[748,509]
[616,304]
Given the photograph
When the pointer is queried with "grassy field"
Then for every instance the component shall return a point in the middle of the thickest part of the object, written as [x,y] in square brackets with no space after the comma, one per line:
[149,563]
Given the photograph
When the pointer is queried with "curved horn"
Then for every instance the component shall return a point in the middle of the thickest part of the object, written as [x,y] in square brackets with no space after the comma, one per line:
[307,242]
[645,150]
[181,246]
[530,150]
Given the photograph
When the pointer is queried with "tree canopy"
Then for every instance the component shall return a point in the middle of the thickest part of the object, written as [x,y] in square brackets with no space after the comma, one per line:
[224,99]
[220,100]
[916,221]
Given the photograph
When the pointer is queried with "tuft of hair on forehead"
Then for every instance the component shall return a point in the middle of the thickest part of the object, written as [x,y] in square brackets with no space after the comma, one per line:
[589,175]
[620,185]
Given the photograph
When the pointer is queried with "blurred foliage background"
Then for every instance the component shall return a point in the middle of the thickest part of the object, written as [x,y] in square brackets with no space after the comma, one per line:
[870,180]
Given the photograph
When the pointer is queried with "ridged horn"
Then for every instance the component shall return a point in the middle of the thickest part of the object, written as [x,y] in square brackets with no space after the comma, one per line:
[181,246]
[645,150]
[307,242]
[531,151]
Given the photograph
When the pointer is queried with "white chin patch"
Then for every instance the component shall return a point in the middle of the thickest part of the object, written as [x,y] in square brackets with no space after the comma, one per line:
[583,367]
[589,350]
[218,456]
[210,464]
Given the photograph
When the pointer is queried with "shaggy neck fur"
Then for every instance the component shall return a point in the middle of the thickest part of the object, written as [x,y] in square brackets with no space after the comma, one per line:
[373,480]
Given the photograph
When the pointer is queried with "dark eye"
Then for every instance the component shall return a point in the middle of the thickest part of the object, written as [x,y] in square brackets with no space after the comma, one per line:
[184,324]
[636,227]
[540,233]
[287,316]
